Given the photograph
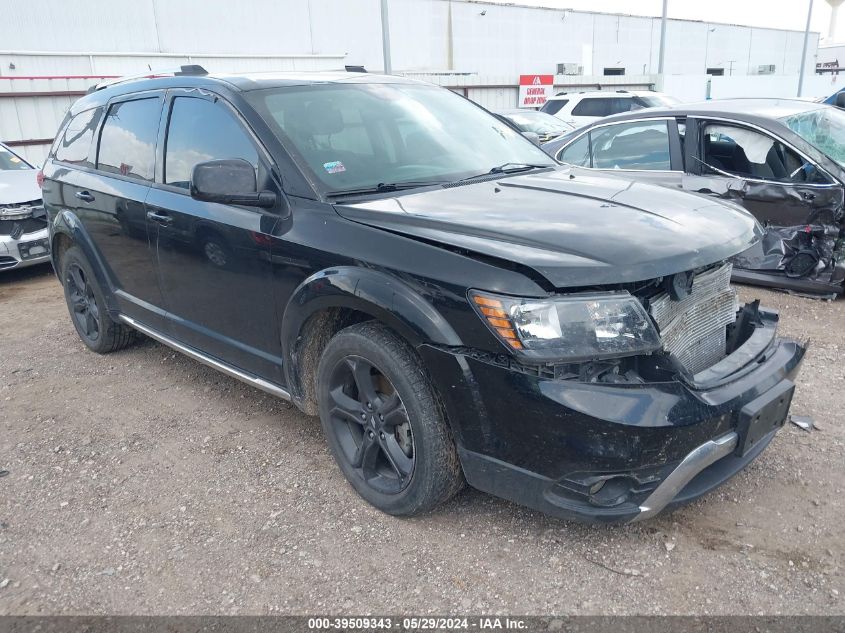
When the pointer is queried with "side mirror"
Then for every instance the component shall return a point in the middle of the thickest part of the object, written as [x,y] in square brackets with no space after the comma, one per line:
[229,181]
[533,137]
[840,100]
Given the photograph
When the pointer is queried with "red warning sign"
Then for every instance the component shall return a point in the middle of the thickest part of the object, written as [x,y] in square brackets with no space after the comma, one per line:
[535,89]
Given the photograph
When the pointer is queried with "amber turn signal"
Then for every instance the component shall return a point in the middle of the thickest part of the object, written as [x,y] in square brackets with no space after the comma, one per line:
[494,312]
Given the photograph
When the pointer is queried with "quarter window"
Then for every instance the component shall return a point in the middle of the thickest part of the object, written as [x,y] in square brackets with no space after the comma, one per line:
[75,143]
[578,153]
[200,130]
[643,146]
[128,139]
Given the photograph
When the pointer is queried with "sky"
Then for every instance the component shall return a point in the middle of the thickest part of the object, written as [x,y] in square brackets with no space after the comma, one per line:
[782,14]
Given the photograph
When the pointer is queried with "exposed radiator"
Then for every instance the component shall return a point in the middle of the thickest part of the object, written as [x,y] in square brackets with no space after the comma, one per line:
[693,329]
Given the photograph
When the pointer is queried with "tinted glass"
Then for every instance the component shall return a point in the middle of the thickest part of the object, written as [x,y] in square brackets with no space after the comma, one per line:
[578,153]
[128,139]
[360,135]
[199,131]
[751,154]
[594,107]
[11,162]
[554,106]
[75,143]
[632,146]
[621,104]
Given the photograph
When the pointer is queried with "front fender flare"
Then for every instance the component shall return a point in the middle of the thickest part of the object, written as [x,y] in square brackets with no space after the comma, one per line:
[384,297]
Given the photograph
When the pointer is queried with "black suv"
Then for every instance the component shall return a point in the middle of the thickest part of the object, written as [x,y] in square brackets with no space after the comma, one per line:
[452,303]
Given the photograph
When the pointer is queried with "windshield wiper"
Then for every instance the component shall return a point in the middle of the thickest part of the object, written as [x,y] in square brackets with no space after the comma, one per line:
[385,187]
[507,168]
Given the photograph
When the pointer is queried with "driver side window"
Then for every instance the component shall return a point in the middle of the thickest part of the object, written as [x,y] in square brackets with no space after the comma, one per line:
[748,153]
[200,130]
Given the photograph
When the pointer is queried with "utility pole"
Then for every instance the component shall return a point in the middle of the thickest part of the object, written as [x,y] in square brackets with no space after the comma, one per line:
[804,50]
[662,53]
[385,38]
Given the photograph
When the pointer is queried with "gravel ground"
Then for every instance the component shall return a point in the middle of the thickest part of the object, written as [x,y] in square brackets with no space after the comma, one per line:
[143,482]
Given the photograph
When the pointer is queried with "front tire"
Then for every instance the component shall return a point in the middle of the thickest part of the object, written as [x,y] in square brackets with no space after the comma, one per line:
[87,306]
[384,423]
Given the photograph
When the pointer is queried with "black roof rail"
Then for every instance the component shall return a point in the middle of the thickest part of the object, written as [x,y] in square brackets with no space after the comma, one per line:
[625,91]
[355,69]
[188,70]
[557,94]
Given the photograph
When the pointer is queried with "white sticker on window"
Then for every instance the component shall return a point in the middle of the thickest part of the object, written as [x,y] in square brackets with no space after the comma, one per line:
[334,167]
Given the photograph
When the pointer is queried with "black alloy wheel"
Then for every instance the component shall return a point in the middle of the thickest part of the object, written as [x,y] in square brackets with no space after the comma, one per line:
[384,421]
[87,306]
[82,302]
[371,425]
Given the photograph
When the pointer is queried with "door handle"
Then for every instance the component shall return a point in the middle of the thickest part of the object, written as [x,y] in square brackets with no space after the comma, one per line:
[85,196]
[159,218]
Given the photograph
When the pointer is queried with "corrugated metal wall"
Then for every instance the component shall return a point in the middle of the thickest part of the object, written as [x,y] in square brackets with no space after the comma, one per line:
[433,35]
[491,44]
[32,106]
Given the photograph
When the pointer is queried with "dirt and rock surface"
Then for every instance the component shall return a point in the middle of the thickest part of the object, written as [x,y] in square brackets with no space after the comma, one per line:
[143,482]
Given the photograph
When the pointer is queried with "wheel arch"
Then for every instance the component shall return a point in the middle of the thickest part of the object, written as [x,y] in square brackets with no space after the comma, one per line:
[335,298]
[67,230]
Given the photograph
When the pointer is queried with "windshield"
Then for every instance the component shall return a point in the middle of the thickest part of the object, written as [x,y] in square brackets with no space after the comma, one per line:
[823,128]
[358,136]
[10,162]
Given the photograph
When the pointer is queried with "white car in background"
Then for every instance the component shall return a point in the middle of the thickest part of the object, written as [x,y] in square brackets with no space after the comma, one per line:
[23,223]
[581,108]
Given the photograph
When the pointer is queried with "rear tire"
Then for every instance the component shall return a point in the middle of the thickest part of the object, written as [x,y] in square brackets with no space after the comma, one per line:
[87,306]
[384,422]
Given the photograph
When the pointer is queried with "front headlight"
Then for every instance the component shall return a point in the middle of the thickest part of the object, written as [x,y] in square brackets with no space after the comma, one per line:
[574,328]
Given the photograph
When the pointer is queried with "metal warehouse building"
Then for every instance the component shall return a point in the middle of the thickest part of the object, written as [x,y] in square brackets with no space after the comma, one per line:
[476,47]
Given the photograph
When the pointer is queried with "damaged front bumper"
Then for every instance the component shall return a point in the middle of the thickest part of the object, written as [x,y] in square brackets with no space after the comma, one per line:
[613,453]
[24,240]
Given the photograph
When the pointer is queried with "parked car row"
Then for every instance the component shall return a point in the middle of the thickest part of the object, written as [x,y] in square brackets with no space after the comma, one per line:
[453,303]
[782,159]
[581,108]
[545,126]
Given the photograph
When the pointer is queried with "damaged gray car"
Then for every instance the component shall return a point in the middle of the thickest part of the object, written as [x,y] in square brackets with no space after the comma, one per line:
[782,159]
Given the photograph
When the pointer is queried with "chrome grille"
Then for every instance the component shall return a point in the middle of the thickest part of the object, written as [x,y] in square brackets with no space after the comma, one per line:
[693,328]
[20,210]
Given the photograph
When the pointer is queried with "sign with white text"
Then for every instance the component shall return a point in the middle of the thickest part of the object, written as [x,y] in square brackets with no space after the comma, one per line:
[535,89]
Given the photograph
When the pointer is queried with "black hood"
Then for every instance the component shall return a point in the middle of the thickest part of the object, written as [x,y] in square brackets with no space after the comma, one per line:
[574,229]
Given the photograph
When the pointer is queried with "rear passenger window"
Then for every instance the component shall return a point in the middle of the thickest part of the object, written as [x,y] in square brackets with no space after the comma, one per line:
[75,143]
[128,139]
[642,145]
[200,130]
[594,107]
[622,104]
